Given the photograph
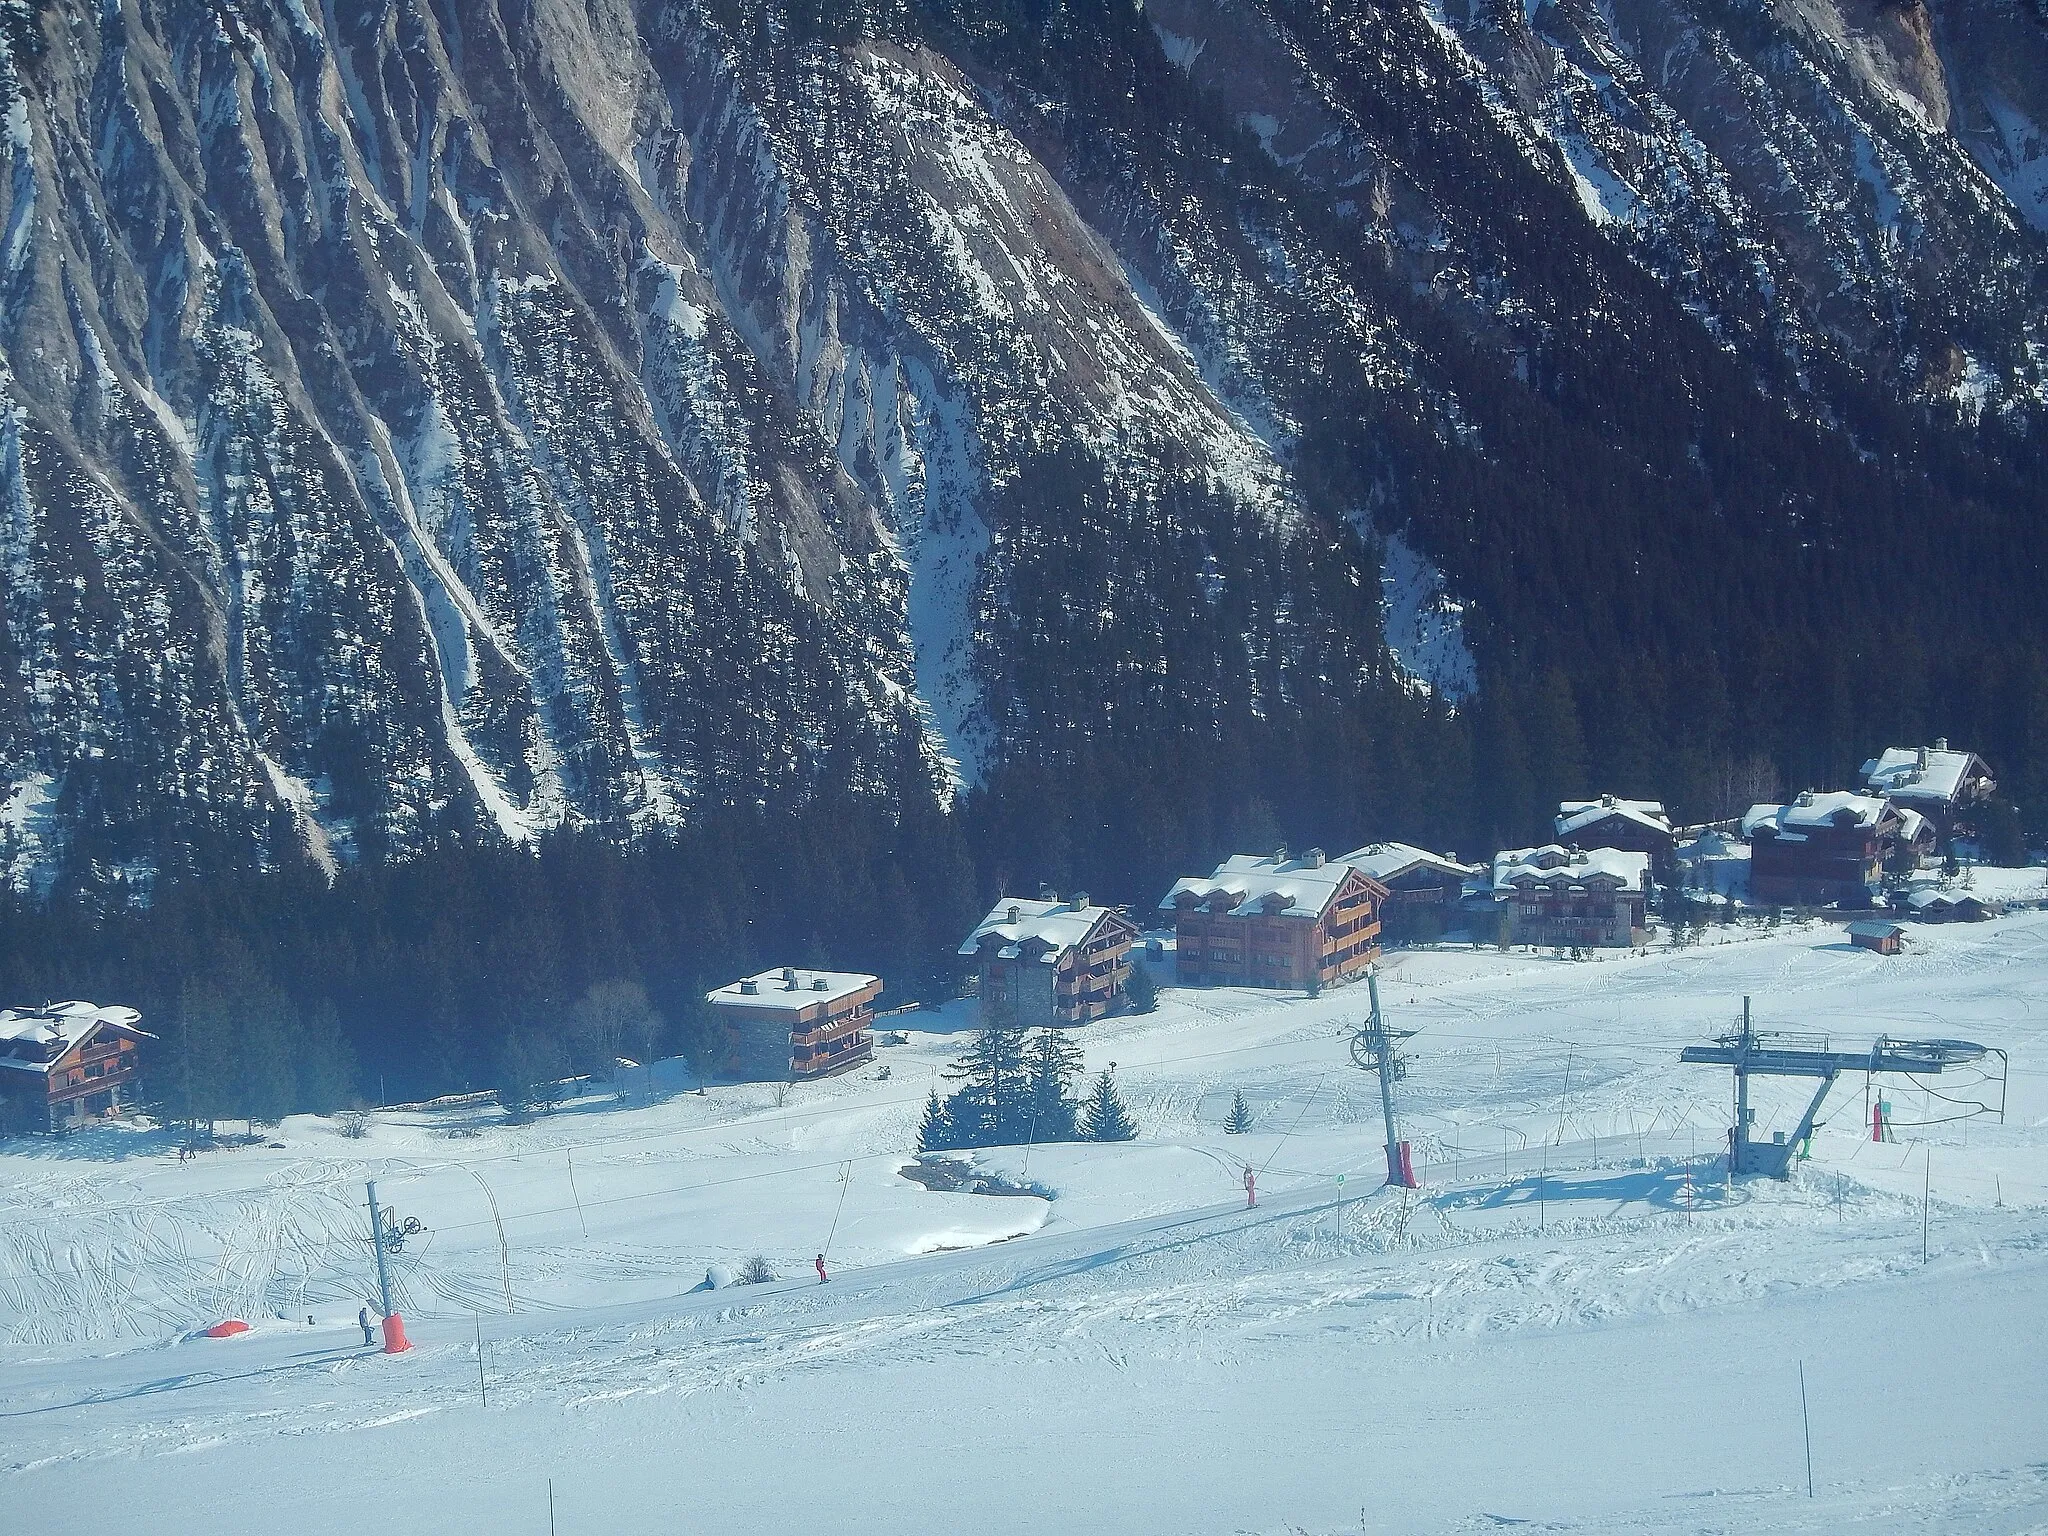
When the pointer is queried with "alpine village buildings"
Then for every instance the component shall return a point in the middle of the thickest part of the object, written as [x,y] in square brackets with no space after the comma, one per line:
[798,1025]
[1276,921]
[1291,922]
[1050,962]
[67,1065]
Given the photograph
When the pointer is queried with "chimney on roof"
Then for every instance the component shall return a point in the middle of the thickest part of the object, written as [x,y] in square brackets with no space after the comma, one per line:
[1920,760]
[820,984]
[1805,797]
[750,988]
[1016,912]
[1314,858]
[1941,743]
[789,978]
[1047,893]
[1280,854]
[1080,901]
[1607,800]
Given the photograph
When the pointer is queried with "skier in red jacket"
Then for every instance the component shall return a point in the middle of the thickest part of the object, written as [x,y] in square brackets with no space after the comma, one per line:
[820,1261]
[1251,1187]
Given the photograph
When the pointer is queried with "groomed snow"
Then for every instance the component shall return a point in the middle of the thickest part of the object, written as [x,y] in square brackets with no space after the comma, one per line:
[1575,1324]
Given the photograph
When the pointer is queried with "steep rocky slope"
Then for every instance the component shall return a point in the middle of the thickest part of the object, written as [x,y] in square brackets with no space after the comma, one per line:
[463,417]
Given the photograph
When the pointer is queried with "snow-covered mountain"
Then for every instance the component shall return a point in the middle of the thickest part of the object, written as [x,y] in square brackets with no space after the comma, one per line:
[472,417]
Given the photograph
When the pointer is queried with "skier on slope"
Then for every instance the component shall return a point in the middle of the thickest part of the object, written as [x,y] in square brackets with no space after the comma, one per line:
[1251,1187]
[820,1262]
[363,1321]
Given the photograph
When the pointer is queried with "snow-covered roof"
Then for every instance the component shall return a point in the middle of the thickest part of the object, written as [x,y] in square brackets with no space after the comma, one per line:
[1920,773]
[1811,810]
[1573,815]
[1876,930]
[63,1023]
[1712,844]
[1389,861]
[1058,925]
[1272,884]
[789,988]
[1932,898]
[1911,824]
[1554,864]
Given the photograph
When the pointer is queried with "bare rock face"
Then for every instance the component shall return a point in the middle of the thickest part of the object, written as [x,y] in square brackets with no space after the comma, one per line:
[482,417]
[1890,46]
[467,417]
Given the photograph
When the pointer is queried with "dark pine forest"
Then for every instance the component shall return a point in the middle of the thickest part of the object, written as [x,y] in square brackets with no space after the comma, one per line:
[1676,584]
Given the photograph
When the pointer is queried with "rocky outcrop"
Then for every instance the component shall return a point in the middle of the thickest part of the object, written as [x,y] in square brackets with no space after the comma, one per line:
[461,419]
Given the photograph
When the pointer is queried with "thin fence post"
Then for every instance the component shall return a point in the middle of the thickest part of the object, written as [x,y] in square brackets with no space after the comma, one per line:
[1806,1425]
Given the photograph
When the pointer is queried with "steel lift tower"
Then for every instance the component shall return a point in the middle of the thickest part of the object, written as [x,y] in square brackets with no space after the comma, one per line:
[1780,1055]
[1372,1048]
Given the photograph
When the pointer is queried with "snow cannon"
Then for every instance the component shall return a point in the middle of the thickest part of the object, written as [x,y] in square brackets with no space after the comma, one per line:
[227,1328]
[395,1341]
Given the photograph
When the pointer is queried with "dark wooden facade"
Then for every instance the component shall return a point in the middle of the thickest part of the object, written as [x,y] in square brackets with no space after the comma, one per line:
[1946,785]
[1820,850]
[1266,942]
[60,1078]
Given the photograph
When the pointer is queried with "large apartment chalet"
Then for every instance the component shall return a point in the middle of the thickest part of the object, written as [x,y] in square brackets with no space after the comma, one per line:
[792,1024]
[1050,962]
[1820,848]
[68,1064]
[1587,898]
[1423,888]
[1276,922]
[1632,826]
[1944,786]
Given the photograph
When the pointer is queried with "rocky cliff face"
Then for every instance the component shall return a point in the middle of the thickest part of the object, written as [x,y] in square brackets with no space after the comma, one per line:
[464,417]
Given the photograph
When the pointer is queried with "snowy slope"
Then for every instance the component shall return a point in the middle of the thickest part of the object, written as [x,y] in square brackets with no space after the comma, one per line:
[1575,1323]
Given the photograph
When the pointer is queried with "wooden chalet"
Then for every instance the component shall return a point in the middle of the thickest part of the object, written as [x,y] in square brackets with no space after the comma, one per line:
[1050,962]
[1273,921]
[1583,898]
[1820,848]
[1932,904]
[1944,785]
[1423,888]
[1878,936]
[1629,826]
[795,1025]
[69,1064]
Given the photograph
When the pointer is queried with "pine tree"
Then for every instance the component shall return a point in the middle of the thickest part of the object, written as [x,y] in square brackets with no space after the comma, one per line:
[936,1133]
[1105,1117]
[1053,1063]
[202,1055]
[1143,995]
[326,1066]
[991,1108]
[1239,1120]
[266,1078]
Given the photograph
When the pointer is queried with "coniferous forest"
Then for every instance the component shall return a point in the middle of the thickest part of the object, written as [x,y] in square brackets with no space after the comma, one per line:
[1689,571]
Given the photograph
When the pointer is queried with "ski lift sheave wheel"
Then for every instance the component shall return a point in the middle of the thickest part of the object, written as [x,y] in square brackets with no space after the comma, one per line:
[411,1228]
